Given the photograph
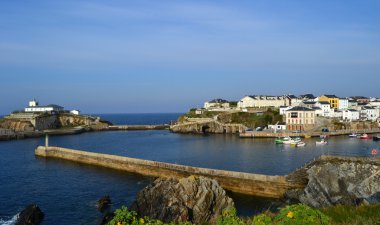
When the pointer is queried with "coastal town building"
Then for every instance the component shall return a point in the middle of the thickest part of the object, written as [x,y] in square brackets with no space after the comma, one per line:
[258,101]
[343,104]
[351,115]
[35,107]
[352,104]
[279,126]
[369,113]
[217,104]
[325,107]
[300,118]
[283,109]
[360,99]
[75,112]
[332,99]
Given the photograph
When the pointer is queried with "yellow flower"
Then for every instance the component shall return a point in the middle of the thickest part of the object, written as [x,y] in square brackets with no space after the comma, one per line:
[142,221]
[290,215]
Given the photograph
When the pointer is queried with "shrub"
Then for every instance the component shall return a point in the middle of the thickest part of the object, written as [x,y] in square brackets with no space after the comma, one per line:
[229,217]
[301,214]
[262,219]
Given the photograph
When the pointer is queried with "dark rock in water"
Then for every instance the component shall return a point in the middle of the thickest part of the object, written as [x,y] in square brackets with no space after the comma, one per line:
[104,203]
[106,219]
[341,182]
[195,199]
[31,215]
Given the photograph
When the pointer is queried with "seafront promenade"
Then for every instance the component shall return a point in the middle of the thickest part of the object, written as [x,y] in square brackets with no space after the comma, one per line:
[263,134]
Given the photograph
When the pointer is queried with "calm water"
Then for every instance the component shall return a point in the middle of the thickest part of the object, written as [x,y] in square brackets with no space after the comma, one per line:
[67,192]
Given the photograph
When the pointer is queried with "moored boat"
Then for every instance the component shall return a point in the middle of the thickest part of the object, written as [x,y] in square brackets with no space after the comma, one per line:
[365,136]
[301,144]
[281,140]
[353,135]
[307,136]
[376,138]
[321,142]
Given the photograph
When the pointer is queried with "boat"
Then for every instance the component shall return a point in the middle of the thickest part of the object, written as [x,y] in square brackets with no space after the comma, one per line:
[307,136]
[282,140]
[323,136]
[365,136]
[301,144]
[295,141]
[353,135]
[376,138]
[321,142]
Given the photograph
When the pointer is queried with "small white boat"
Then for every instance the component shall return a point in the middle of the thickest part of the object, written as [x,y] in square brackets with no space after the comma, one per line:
[321,142]
[353,135]
[301,144]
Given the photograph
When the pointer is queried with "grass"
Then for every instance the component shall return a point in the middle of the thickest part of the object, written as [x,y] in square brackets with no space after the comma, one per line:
[360,215]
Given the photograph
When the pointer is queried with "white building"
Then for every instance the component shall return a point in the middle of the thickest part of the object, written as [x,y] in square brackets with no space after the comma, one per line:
[278,126]
[369,113]
[75,112]
[259,101]
[283,109]
[374,104]
[343,104]
[35,107]
[351,115]
[326,109]
[217,103]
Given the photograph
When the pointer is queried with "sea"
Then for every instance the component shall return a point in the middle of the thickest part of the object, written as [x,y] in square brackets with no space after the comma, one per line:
[67,192]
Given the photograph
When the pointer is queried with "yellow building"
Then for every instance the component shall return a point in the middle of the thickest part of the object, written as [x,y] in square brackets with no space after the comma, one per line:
[332,99]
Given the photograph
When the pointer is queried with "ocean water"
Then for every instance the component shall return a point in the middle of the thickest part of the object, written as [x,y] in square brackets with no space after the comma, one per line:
[67,192]
[140,118]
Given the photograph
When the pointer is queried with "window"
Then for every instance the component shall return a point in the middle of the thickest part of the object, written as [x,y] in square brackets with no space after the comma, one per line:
[294,115]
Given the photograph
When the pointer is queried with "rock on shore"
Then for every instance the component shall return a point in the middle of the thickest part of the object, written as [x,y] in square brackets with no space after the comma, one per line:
[195,199]
[341,182]
[31,215]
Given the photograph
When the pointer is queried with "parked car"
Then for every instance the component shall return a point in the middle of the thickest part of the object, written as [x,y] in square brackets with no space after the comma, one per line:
[249,129]
[259,129]
[325,130]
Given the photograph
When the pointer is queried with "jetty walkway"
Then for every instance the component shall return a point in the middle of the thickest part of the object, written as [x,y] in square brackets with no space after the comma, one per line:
[246,183]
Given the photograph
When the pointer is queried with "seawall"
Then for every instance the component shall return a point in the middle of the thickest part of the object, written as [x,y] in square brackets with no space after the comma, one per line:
[246,183]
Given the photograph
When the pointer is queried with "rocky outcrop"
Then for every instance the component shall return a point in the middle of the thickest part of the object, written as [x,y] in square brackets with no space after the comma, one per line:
[103,203]
[339,181]
[16,125]
[213,127]
[195,199]
[31,215]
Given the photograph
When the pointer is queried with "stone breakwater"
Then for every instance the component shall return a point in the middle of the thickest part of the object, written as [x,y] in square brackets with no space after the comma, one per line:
[326,181]
[247,183]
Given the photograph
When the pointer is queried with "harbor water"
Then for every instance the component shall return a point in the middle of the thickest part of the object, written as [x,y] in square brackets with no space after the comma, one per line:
[67,192]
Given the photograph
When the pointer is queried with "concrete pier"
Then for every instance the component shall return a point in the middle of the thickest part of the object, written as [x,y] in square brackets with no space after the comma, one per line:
[246,183]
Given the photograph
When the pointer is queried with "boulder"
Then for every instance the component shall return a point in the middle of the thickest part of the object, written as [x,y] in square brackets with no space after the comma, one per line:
[195,199]
[341,182]
[104,203]
[31,215]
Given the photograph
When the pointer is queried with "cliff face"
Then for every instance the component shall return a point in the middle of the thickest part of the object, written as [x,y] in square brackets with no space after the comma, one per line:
[17,125]
[47,121]
[205,127]
[342,182]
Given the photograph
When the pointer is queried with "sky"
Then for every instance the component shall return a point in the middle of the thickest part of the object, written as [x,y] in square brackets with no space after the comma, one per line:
[121,56]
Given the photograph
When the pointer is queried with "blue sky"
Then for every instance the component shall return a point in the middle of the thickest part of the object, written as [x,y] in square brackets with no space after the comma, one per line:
[167,56]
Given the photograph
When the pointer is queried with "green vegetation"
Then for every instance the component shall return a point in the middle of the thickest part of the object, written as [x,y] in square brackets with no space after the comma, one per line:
[252,119]
[249,119]
[363,214]
[298,214]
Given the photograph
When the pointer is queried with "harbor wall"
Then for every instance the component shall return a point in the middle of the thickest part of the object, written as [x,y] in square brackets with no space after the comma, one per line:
[246,183]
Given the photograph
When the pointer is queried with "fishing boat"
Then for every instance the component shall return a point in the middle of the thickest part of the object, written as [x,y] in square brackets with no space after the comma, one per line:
[365,136]
[281,140]
[353,135]
[376,138]
[295,141]
[301,144]
[321,142]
